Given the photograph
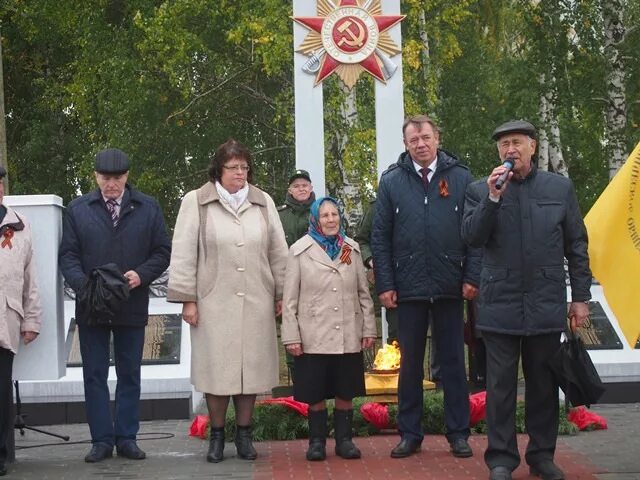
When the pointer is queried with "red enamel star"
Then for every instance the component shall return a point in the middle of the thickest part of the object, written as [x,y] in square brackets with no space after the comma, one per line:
[348,34]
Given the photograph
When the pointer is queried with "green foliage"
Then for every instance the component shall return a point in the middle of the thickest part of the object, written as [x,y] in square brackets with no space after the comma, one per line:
[276,422]
[168,81]
[271,422]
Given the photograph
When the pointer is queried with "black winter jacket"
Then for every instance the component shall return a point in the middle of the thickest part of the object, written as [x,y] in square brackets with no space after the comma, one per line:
[416,243]
[526,237]
[140,242]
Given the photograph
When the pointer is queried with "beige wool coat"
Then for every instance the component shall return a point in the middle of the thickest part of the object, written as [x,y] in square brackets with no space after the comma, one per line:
[231,264]
[327,306]
[20,308]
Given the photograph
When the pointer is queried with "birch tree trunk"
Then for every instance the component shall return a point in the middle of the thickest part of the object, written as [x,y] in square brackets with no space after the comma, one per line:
[550,146]
[616,110]
[346,190]
[543,139]
[427,67]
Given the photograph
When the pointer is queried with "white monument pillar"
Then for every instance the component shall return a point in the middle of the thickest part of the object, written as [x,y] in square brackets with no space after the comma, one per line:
[390,103]
[348,18]
[309,111]
[45,358]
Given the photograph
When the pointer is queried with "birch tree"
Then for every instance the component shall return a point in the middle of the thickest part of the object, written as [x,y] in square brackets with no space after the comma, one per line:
[616,108]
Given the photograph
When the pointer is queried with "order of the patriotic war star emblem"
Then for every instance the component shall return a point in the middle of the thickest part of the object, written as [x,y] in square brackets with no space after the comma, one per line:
[349,37]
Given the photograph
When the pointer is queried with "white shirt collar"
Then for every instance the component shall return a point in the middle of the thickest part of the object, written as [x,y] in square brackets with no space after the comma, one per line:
[431,166]
[118,200]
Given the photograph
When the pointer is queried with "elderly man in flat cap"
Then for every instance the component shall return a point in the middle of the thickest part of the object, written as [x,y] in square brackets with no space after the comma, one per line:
[114,224]
[527,227]
[20,308]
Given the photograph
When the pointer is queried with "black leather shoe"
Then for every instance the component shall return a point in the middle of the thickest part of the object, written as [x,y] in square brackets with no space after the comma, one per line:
[99,451]
[130,450]
[405,448]
[500,473]
[3,470]
[460,448]
[215,454]
[244,444]
[547,470]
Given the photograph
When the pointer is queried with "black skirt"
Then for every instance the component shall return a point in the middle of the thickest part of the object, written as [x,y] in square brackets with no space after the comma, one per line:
[323,376]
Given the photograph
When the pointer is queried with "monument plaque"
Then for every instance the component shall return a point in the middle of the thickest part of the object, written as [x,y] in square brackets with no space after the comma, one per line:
[598,333]
[161,342]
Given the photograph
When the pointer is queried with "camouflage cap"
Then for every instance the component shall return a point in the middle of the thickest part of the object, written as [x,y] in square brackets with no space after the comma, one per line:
[299,173]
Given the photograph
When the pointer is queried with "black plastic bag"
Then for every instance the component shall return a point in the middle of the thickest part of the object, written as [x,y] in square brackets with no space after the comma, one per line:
[575,373]
[102,296]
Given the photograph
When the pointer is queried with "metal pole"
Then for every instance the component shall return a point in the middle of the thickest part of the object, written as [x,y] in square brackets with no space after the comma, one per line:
[3,128]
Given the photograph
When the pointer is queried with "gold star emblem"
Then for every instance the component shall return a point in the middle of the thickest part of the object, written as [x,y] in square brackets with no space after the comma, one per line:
[349,38]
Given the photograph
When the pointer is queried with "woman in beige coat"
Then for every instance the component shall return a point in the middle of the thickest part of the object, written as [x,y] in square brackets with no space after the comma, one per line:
[20,310]
[227,269]
[327,321]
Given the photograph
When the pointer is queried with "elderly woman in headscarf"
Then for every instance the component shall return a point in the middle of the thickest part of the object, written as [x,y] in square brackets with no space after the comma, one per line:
[20,310]
[327,321]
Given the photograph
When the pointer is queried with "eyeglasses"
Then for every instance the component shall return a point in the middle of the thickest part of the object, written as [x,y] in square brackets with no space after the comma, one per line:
[237,168]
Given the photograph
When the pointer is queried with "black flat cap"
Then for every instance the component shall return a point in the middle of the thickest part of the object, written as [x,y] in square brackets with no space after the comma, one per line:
[3,172]
[112,161]
[514,126]
[300,174]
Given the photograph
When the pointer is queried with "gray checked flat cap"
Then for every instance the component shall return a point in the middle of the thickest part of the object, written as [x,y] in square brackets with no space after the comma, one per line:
[112,161]
[514,126]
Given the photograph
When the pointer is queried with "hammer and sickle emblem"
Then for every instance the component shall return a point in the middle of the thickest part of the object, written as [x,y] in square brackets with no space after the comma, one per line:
[356,40]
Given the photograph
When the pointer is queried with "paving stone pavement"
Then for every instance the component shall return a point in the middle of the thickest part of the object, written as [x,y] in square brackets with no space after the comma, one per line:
[612,454]
[615,452]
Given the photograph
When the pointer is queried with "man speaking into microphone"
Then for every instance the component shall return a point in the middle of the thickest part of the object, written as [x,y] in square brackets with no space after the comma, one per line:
[527,228]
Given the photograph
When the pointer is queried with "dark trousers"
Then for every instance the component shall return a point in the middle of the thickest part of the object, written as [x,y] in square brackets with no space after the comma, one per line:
[392,324]
[448,326]
[6,401]
[541,397]
[94,346]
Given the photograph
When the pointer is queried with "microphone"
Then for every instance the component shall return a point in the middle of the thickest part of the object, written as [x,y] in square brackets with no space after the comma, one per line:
[508,162]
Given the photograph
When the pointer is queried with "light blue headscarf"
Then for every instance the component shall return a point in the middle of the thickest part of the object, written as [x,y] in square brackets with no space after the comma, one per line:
[331,244]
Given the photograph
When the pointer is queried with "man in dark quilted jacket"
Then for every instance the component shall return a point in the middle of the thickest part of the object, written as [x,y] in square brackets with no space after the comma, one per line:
[526,228]
[424,268]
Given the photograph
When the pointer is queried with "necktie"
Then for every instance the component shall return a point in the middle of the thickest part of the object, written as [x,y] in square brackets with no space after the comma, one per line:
[113,211]
[425,176]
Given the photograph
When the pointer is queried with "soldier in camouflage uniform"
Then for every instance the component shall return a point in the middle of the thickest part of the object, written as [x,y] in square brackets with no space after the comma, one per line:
[294,215]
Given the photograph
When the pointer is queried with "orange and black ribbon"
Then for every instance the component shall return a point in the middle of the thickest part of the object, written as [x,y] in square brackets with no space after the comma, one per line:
[8,235]
[345,256]
[444,188]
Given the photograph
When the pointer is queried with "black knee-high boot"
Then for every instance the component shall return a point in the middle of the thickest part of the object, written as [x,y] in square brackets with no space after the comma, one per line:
[342,420]
[317,435]
[216,445]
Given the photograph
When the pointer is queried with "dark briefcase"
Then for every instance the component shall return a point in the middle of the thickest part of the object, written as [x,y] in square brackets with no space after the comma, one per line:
[575,373]
[103,294]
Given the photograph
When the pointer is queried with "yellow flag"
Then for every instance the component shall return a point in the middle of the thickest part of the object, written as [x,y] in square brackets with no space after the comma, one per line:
[613,224]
